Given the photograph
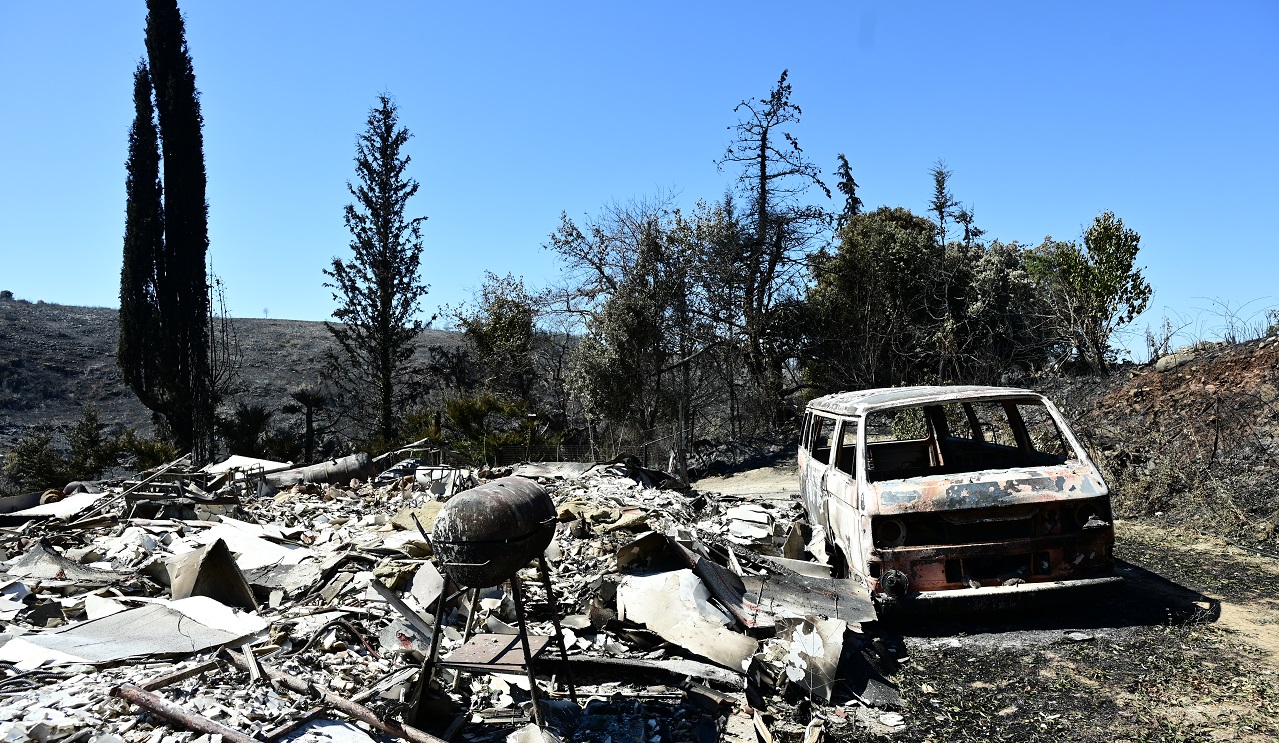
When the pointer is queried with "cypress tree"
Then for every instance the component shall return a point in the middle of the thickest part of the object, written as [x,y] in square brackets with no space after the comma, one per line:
[848,187]
[166,346]
[143,244]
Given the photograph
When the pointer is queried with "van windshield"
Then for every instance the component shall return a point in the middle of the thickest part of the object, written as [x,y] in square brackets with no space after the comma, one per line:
[961,436]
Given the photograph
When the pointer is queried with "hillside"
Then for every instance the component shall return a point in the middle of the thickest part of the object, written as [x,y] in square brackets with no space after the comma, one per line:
[56,359]
[1191,440]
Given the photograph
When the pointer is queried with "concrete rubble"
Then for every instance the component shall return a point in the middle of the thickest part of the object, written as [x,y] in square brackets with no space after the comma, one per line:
[249,601]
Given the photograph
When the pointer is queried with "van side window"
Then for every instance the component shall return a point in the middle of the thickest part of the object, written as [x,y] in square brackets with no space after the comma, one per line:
[898,443]
[957,422]
[846,459]
[805,431]
[823,432]
[993,420]
[1045,440]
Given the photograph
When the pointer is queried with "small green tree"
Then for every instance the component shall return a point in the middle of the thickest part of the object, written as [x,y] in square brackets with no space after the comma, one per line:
[35,464]
[92,451]
[379,290]
[848,187]
[500,331]
[943,204]
[1094,287]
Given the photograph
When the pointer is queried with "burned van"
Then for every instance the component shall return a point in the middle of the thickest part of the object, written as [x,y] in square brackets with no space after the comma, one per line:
[955,497]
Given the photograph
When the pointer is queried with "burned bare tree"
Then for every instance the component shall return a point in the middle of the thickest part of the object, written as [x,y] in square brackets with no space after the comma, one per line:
[779,227]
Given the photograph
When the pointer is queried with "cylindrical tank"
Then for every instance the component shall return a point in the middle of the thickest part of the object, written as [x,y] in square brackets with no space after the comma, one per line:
[484,535]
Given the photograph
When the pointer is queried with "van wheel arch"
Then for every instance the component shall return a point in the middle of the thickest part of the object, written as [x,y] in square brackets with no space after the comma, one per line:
[839,567]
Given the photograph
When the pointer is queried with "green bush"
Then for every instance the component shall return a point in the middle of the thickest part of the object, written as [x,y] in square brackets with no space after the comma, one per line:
[473,426]
[245,429]
[146,452]
[34,464]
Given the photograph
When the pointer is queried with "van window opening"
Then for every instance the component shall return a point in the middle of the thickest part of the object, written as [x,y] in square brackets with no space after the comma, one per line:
[846,459]
[823,434]
[950,438]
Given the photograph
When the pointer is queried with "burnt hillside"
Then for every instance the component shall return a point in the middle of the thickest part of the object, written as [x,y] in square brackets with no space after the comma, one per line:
[1192,439]
[55,359]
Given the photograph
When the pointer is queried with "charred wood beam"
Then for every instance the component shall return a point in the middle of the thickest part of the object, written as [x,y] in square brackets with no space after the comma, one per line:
[341,704]
[175,714]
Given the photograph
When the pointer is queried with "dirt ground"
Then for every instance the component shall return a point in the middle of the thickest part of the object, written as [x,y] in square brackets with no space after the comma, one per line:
[1189,651]
[778,482]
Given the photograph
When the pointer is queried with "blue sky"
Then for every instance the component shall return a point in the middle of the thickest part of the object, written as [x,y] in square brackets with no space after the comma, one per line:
[1048,114]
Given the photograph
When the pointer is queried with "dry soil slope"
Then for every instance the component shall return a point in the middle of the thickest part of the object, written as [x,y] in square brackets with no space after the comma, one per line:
[56,359]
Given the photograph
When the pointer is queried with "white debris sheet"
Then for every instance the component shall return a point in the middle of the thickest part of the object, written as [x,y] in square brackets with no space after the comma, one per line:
[159,629]
[65,508]
[676,606]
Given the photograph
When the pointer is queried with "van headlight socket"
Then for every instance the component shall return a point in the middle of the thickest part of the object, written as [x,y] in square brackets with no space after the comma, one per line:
[1091,516]
[890,533]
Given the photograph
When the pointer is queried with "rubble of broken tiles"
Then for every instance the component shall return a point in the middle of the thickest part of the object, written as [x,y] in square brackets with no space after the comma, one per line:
[664,594]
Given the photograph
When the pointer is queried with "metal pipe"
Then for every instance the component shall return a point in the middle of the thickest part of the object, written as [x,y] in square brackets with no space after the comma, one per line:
[555,621]
[172,712]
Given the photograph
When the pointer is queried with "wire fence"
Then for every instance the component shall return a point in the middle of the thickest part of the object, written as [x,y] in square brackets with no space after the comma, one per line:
[543,453]
[653,455]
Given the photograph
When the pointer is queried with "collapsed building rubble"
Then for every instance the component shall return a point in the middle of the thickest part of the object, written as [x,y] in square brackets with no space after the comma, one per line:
[259,601]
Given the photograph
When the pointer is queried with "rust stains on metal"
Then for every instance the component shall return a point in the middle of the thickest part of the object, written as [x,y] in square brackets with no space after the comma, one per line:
[984,489]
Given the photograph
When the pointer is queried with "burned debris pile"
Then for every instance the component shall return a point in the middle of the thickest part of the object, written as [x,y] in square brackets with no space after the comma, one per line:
[254,601]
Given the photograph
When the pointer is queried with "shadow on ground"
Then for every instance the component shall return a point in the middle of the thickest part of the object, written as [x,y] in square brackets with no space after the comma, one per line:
[1147,599]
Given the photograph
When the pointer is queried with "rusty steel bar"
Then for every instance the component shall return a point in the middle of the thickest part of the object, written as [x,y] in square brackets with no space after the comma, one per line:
[341,704]
[172,712]
[315,712]
[517,590]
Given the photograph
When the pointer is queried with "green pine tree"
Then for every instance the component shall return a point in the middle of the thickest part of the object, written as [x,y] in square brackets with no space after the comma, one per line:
[378,291]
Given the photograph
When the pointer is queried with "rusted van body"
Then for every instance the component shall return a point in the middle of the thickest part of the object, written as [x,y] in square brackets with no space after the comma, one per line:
[956,498]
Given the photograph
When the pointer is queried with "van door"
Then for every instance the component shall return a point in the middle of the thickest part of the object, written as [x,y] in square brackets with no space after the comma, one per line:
[821,439]
[843,523]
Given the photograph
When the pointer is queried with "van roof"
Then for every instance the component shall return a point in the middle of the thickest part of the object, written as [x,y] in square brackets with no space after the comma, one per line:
[857,403]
